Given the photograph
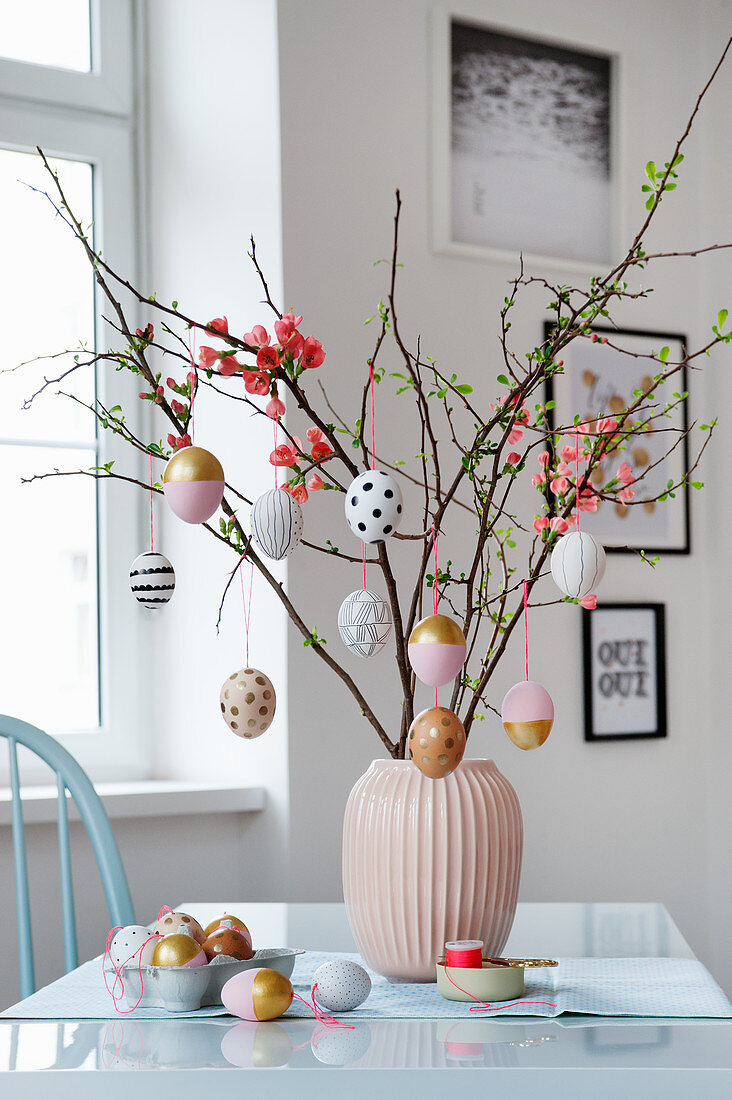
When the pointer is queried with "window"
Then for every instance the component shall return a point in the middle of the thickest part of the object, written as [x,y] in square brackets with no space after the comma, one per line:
[68,633]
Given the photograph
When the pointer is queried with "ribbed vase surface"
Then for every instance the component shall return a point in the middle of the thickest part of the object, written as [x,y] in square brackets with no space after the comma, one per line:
[426,861]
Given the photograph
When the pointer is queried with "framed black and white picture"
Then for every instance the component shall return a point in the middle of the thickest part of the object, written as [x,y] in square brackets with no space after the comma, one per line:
[523,144]
[624,671]
[600,380]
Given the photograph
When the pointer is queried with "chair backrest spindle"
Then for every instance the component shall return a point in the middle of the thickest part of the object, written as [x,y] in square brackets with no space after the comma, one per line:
[71,954]
[22,895]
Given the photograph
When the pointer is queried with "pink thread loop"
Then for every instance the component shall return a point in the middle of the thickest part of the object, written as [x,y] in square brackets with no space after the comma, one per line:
[275,421]
[324,1018]
[152,540]
[117,997]
[194,390]
[363,550]
[247,603]
[435,596]
[576,474]
[373,416]
[526,628]
[487,1006]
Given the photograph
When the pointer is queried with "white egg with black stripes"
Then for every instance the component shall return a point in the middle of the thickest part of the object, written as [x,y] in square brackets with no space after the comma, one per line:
[276,523]
[373,506]
[578,564]
[342,985]
[152,579]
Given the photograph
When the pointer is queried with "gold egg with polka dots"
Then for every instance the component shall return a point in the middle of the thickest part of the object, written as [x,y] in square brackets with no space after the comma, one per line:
[248,702]
[437,742]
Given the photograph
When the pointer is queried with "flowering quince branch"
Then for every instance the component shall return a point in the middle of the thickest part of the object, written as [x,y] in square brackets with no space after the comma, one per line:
[466,458]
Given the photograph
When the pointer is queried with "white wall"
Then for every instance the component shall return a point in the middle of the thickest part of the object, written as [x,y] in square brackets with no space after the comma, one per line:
[619,821]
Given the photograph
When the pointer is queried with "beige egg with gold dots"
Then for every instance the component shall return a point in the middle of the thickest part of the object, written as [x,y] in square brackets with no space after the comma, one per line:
[248,702]
[437,742]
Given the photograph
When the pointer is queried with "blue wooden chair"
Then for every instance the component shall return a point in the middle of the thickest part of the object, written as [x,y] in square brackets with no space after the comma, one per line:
[72,778]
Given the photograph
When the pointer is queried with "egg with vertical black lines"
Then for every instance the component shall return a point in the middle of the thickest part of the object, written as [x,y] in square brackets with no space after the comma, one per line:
[276,523]
[578,564]
[342,985]
[373,506]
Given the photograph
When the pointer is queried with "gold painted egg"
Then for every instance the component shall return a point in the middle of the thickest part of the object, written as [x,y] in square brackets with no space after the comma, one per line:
[178,950]
[236,921]
[228,941]
[437,742]
[248,702]
[174,922]
[193,484]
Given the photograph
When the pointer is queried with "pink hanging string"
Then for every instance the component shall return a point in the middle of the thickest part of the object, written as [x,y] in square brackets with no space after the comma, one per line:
[152,540]
[247,602]
[275,421]
[487,1006]
[194,389]
[526,628]
[373,418]
[435,596]
[324,1018]
[363,553]
[118,979]
[576,475]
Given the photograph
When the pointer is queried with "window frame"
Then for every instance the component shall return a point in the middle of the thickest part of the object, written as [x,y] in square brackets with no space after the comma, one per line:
[92,117]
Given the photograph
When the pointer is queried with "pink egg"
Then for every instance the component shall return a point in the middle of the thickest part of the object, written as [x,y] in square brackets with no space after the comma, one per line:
[194,501]
[527,714]
[259,994]
[436,650]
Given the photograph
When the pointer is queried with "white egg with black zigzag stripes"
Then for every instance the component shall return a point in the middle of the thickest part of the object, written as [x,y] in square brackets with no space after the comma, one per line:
[364,622]
[152,579]
[276,523]
[578,564]
[342,985]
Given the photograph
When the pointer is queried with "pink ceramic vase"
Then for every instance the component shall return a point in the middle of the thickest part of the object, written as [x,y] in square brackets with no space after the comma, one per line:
[426,861]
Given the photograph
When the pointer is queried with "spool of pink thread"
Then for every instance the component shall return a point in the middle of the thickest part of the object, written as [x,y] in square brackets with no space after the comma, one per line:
[467,954]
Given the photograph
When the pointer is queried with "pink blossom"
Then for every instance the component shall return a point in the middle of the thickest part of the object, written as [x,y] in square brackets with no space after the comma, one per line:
[257,338]
[540,524]
[275,408]
[569,454]
[192,377]
[626,495]
[312,354]
[544,458]
[589,501]
[314,435]
[178,408]
[563,469]
[207,357]
[559,526]
[589,602]
[321,450]
[256,382]
[284,455]
[607,424]
[538,480]
[268,358]
[559,485]
[625,474]
[228,365]
[171,383]
[299,492]
[287,334]
[514,458]
[160,391]
[315,482]
[220,324]
[142,396]
[516,434]
[180,442]
[594,338]
[172,441]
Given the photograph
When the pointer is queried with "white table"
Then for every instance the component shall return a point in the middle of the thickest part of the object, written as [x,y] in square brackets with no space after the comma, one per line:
[518,1057]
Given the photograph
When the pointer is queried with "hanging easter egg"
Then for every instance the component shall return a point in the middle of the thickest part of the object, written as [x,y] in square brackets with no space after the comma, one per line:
[436,650]
[437,742]
[193,483]
[276,523]
[168,923]
[578,564]
[373,506]
[258,994]
[226,920]
[178,949]
[527,714]
[364,622]
[248,702]
[152,579]
[132,944]
[342,985]
[228,941]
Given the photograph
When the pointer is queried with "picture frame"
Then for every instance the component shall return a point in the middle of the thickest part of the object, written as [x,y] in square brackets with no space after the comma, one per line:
[489,152]
[597,380]
[624,657]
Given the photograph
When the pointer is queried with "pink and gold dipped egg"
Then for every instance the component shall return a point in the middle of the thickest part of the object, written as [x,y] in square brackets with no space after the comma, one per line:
[437,742]
[259,994]
[436,650]
[168,923]
[248,702]
[193,483]
[178,949]
[527,714]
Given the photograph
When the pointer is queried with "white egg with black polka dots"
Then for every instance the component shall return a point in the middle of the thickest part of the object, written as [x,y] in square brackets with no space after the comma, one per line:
[342,985]
[133,945]
[373,506]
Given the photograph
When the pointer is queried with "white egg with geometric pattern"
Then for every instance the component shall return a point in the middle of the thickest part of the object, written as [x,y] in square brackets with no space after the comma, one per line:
[342,985]
[127,946]
[248,702]
[373,506]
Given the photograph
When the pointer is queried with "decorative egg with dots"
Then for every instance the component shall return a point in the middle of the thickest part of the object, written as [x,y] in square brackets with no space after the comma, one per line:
[229,942]
[437,742]
[373,506]
[152,580]
[437,650]
[133,945]
[276,523]
[248,702]
[193,484]
[342,985]
[527,713]
[169,923]
[364,622]
[578,564]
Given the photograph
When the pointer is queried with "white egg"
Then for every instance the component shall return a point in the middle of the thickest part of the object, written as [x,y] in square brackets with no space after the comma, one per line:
[340,1048]
[276,523]
[373,506]
[132,944]
[152,579]
[578,564]
[364,622]
[342,985]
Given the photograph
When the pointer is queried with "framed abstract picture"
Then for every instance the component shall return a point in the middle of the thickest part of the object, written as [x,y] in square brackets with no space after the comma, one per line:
[624,671]
[600,380]
[523,144]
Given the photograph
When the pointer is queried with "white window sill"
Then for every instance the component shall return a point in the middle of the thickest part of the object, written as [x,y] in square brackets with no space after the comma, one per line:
[144,798]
